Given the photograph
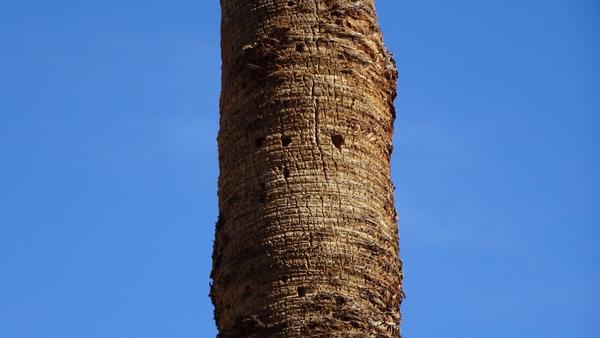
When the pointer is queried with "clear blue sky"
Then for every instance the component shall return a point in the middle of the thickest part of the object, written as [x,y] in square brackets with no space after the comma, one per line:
[109,167]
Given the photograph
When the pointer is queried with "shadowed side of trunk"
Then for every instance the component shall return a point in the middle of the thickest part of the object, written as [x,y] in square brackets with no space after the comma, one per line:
[307,243]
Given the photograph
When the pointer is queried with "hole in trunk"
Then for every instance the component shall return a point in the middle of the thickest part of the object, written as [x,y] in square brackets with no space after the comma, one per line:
[286,172]
[259,142]
[286,141]
[256,124]
[301,291]
[338,140]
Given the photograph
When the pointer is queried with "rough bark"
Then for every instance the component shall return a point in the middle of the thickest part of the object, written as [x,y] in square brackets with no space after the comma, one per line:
[306,242]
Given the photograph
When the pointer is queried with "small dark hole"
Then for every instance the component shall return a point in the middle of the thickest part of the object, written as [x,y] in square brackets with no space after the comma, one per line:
[338,140]
[291,3]
[300,47]
[286,172]
[259,142]
[286,140]
[284,279]
[301,291]
[256,124]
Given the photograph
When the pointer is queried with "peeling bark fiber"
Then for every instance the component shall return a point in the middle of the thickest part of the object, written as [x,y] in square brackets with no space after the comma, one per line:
[307,241]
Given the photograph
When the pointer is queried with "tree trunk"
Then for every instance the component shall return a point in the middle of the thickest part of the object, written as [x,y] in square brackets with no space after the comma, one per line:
[306,241]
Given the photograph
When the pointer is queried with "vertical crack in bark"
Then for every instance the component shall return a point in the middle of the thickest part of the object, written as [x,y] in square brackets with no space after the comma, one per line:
[317,135]
[313,91]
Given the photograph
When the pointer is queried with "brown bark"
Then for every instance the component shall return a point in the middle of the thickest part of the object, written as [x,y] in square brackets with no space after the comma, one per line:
[307,242]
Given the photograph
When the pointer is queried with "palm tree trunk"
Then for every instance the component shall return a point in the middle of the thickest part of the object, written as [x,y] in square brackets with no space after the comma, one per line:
[306,242]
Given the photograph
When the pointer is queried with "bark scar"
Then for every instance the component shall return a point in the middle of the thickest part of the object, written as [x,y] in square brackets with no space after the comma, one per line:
[317,124]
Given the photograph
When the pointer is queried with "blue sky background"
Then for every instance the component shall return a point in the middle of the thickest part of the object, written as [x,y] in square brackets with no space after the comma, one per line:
[109,167]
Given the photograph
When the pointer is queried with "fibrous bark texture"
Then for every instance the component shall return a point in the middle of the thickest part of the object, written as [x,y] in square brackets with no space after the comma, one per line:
[306,241]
